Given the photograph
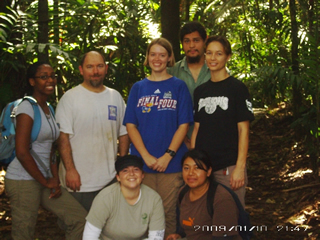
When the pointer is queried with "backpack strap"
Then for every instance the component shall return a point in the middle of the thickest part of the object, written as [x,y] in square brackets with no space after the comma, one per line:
[244,217]
[183,192]
[36,118]
[234,195]
[36,129]
[210,196]
[51,110]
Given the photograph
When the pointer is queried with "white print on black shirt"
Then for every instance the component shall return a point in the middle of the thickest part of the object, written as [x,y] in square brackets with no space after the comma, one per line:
[210,104]
[249,105]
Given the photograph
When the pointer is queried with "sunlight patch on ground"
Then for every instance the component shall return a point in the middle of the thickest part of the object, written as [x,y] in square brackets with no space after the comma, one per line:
[2,214]
[302,218]
[2,174]
[295,175]
[298,174]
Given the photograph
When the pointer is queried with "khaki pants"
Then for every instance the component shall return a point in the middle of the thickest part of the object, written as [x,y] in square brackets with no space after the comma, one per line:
[25,199]
[86,198]
[220,177]
[167,185]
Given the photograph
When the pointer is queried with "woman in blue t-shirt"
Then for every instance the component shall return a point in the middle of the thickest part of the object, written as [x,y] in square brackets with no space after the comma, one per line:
[158,114]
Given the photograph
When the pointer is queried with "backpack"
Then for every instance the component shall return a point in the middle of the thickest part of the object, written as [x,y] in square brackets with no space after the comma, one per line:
[7,128]
[244,219]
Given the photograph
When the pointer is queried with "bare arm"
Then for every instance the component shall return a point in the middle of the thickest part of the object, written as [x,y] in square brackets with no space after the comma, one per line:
[194,134]
[73,180]
[123,145]
[237,176]
[23,133]
[176,142]
[137,141]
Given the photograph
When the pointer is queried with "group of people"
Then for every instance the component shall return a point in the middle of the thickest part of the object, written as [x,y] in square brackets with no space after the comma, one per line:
[185,123]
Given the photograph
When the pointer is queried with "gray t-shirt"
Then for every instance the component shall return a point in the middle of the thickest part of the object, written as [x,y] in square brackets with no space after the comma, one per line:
[49,132]
[120,220]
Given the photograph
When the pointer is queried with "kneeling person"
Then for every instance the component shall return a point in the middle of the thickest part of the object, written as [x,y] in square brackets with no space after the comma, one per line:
[126,209]
[196,222]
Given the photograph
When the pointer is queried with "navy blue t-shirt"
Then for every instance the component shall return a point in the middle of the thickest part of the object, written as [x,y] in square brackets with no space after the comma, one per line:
[158,108]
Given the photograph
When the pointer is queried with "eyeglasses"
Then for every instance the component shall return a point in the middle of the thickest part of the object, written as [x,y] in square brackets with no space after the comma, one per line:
[45,77]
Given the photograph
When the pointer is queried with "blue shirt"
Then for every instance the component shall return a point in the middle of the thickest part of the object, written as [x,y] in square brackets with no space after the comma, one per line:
[158,108]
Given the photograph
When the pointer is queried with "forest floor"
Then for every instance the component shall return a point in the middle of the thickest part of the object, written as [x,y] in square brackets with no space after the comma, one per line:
[283,196]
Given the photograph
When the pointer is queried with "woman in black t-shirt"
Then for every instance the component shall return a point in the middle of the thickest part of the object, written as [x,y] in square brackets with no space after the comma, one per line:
[223,112]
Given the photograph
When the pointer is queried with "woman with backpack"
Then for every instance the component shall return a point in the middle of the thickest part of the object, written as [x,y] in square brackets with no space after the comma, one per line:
[32,177]
[195,220]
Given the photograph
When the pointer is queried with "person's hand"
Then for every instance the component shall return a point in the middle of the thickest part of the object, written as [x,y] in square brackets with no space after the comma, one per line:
[173,237]
[73,180]
[55,192]
[150,160]
[237,178]
[54,185]
[162,163]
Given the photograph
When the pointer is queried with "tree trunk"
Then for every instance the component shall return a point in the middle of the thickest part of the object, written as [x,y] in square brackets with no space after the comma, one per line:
[187,18]
[43,37]
[4,4]
[170,24]
[314,156]
[56,21]
[296,87]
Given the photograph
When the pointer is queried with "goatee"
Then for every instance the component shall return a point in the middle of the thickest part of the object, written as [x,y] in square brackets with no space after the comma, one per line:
[96,83]
[193,59]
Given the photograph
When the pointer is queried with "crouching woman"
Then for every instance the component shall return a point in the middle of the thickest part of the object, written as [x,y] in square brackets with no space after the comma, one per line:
[196,222]
[127,209]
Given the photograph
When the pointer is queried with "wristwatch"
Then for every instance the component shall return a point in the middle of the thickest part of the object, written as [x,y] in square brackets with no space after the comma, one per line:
[171,152]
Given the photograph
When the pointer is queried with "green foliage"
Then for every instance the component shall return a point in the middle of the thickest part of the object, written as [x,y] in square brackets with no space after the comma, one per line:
[261,34]
[116,28]
[119,29]
[11,55]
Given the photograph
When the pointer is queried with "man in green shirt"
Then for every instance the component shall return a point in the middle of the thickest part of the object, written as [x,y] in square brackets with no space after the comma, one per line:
[192,69]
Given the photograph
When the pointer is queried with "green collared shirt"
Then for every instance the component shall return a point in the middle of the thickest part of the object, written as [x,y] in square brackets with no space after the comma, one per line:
[181,71]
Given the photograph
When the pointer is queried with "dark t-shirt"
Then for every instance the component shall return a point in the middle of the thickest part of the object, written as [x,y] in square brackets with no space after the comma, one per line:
[198,224]
[219,107]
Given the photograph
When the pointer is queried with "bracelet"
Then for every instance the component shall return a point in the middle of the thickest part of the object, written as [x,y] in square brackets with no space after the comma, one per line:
[171,152]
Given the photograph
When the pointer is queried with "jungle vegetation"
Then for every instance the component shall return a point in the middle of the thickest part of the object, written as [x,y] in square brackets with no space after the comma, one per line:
[275,46]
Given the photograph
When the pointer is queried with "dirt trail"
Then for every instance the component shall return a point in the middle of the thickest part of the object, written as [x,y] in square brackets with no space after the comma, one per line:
[282,198]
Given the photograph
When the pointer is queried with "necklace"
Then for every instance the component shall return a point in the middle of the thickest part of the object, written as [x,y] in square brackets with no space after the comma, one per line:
[53,134]
[51,125]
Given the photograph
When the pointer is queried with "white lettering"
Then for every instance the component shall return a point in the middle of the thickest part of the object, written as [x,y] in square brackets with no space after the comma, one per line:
[210,104]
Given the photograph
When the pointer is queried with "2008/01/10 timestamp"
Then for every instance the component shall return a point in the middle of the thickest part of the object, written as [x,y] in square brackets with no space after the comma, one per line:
[291,228]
